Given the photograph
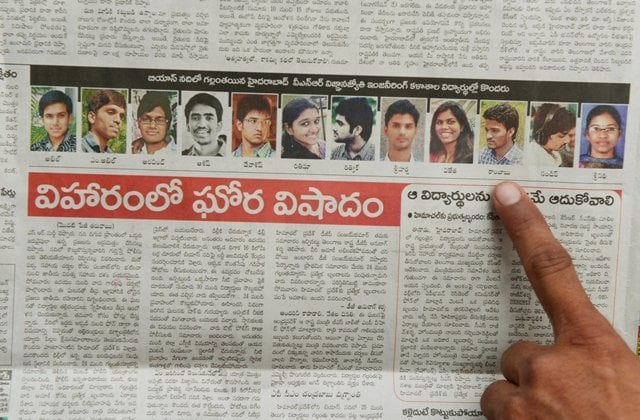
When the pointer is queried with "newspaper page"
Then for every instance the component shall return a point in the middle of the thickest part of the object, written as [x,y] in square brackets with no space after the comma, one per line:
[217,209]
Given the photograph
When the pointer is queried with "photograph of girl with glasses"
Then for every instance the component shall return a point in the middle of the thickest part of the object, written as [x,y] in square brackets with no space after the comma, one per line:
[155,123]
[603,134]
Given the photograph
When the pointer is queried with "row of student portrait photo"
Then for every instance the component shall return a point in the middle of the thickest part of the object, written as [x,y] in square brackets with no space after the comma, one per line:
[437,130]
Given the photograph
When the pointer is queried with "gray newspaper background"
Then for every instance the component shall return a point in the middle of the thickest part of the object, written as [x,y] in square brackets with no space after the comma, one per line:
[162,340]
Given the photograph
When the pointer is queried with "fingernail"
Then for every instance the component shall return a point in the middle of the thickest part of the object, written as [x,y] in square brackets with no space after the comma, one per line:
[507,193]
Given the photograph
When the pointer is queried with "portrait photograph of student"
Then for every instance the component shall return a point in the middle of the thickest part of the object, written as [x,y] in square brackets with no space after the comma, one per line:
[353,124]
[553,135]
[155,128]
[303,127]
[402,138]
[206,124]
[104,126]
[602,146]
[53,127]
[451,133]
[501,136]
[254,125]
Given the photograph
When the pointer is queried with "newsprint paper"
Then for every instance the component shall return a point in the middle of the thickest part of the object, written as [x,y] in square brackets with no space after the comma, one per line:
[282,209]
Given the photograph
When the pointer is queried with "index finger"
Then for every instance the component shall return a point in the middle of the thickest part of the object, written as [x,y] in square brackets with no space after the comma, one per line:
[547,264]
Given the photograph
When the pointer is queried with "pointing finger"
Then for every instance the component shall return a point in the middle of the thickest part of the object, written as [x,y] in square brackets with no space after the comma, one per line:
[546,262]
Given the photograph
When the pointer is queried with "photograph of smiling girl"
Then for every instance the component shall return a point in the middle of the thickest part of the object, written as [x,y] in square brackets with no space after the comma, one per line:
[304,123]
[603,136]
[451,136]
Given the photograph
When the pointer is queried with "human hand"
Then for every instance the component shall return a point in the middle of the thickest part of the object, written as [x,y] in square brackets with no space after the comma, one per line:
[589,372]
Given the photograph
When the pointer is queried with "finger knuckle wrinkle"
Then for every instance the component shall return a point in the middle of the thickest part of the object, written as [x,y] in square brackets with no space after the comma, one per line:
[540,366]
[549,259]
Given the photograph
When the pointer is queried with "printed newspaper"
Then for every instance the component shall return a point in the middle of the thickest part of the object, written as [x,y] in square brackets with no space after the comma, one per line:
[288,214]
